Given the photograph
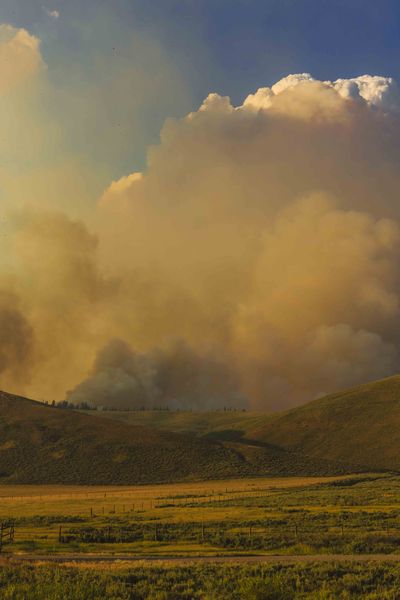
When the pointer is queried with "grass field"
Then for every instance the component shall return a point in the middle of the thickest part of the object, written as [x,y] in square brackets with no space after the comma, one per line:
[205,582]
[40,511]
[350,514]
[242,519]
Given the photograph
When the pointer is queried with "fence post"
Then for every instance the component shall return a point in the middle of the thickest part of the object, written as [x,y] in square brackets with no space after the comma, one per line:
[59,534]
[296,533]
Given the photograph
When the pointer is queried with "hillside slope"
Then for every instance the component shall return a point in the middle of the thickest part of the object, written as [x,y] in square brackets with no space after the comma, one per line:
[243,432]
[42,444]
[360,425]
[204,423]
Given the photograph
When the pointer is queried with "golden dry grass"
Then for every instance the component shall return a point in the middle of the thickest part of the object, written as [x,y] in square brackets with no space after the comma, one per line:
[40,511]
[25,500]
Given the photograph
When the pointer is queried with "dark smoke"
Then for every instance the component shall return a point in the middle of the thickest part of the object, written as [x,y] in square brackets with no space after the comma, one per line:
[16,339]
[177,378]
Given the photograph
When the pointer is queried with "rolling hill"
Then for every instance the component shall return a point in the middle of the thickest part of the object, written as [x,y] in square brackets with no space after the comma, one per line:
[44,444]
[233,424]
[360,425]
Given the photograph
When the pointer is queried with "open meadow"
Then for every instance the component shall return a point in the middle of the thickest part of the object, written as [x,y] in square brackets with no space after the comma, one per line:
[357,514]
[164,541]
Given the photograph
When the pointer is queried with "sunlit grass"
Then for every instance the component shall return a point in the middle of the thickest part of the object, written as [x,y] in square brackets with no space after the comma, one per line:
[254,516]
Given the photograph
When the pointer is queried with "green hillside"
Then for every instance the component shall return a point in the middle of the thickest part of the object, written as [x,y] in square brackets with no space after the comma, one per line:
[360,425]
[43,444]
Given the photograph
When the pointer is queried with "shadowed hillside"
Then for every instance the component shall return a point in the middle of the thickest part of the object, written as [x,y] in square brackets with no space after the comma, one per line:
[42,444]
[204,423]
[45,444]
[360,425]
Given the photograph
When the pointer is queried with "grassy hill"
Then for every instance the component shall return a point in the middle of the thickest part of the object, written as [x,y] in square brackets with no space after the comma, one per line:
[360,425]
[43,444]
[225,423]
[333,435]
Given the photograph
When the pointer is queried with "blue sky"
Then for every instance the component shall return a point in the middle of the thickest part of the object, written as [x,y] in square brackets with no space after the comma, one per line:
[232,47]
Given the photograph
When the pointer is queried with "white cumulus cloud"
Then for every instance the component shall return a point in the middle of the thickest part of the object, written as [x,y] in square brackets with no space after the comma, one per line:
[378,91]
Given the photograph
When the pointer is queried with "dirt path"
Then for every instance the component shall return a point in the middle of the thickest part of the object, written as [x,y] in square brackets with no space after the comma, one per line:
[183,560]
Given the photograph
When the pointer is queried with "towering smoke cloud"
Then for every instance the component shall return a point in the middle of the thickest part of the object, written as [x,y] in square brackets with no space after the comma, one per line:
[275,226]
[265,237]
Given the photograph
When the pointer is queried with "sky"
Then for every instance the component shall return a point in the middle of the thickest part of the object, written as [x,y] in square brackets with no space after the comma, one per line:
[231,47]
[198,200]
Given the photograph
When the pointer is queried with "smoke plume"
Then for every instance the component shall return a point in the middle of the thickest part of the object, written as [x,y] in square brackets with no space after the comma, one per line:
[264,237]
[175,378]
[270,232]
